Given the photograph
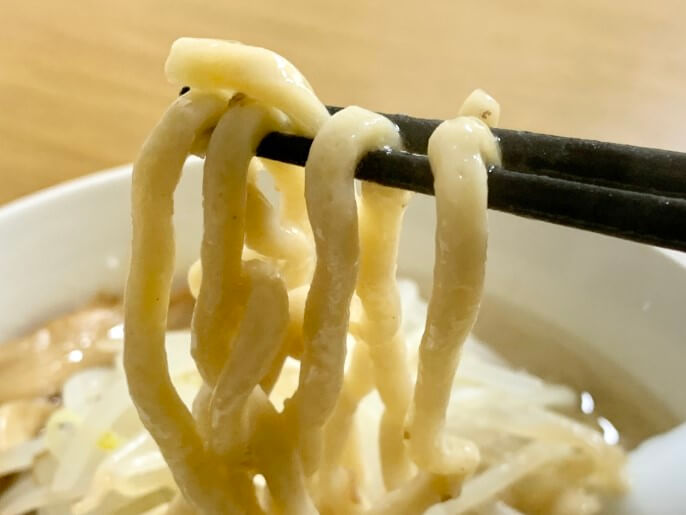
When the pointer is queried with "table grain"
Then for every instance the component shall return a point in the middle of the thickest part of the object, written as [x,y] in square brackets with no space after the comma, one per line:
[81,82]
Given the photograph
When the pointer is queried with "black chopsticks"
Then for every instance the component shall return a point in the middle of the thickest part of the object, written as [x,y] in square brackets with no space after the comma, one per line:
[629,192]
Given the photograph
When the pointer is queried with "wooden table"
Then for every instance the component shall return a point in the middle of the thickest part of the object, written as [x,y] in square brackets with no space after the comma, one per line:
[81,81]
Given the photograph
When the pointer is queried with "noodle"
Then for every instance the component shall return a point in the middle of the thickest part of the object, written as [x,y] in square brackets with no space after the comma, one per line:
[155,175]
[267,77]
[334,480]
[216,315]
[330,197]
[304,398]
[255,348]
[245,325]
[455,153]
[279,461]
[380,326]
[219,305]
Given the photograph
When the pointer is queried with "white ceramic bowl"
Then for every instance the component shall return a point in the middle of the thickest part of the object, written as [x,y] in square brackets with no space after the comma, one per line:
[61,246]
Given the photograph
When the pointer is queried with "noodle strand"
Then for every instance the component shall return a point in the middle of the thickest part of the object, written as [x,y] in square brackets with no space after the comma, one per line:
[155,175]
[330,197]
[458,152]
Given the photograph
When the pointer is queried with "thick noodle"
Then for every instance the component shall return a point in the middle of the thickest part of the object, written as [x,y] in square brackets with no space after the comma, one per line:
[200,473]
[279,423]
[459,151]
[155,175]
[381,214]
[267,77]
[256,345]
[336,482]
[223,291]
[330,197]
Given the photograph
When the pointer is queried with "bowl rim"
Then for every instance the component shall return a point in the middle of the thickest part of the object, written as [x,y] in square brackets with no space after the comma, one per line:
[68,187]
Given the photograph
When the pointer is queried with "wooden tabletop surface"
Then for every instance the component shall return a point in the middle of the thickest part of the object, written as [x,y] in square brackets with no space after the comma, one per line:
[81,81]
